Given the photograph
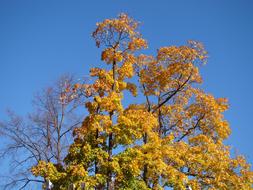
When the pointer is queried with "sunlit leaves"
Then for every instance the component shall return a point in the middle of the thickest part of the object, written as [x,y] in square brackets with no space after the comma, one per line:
[175,134]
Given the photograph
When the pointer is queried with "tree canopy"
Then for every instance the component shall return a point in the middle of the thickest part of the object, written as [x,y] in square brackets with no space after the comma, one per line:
[172,138]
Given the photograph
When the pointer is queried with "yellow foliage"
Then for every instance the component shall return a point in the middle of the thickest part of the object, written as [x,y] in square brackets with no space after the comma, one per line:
[173,137]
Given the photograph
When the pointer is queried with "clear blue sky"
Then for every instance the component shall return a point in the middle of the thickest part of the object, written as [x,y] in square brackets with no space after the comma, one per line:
[40,40]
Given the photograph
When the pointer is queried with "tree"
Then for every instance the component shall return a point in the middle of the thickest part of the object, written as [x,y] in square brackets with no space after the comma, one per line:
[174,138]
[44,135]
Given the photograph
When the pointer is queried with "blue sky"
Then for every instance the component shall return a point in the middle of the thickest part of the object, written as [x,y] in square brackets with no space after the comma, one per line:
[40,40]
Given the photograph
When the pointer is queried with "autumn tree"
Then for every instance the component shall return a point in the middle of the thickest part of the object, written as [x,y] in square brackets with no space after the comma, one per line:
[45,134]
[173,138]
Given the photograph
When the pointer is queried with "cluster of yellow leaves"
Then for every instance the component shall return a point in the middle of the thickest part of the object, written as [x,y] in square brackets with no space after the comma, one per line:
[210,161]
[137,43]
[127,70]
[172,68]
[121,31]
[211,110]
[110,103]
[121,24]
[47,170]
[133,123]
[109,55]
